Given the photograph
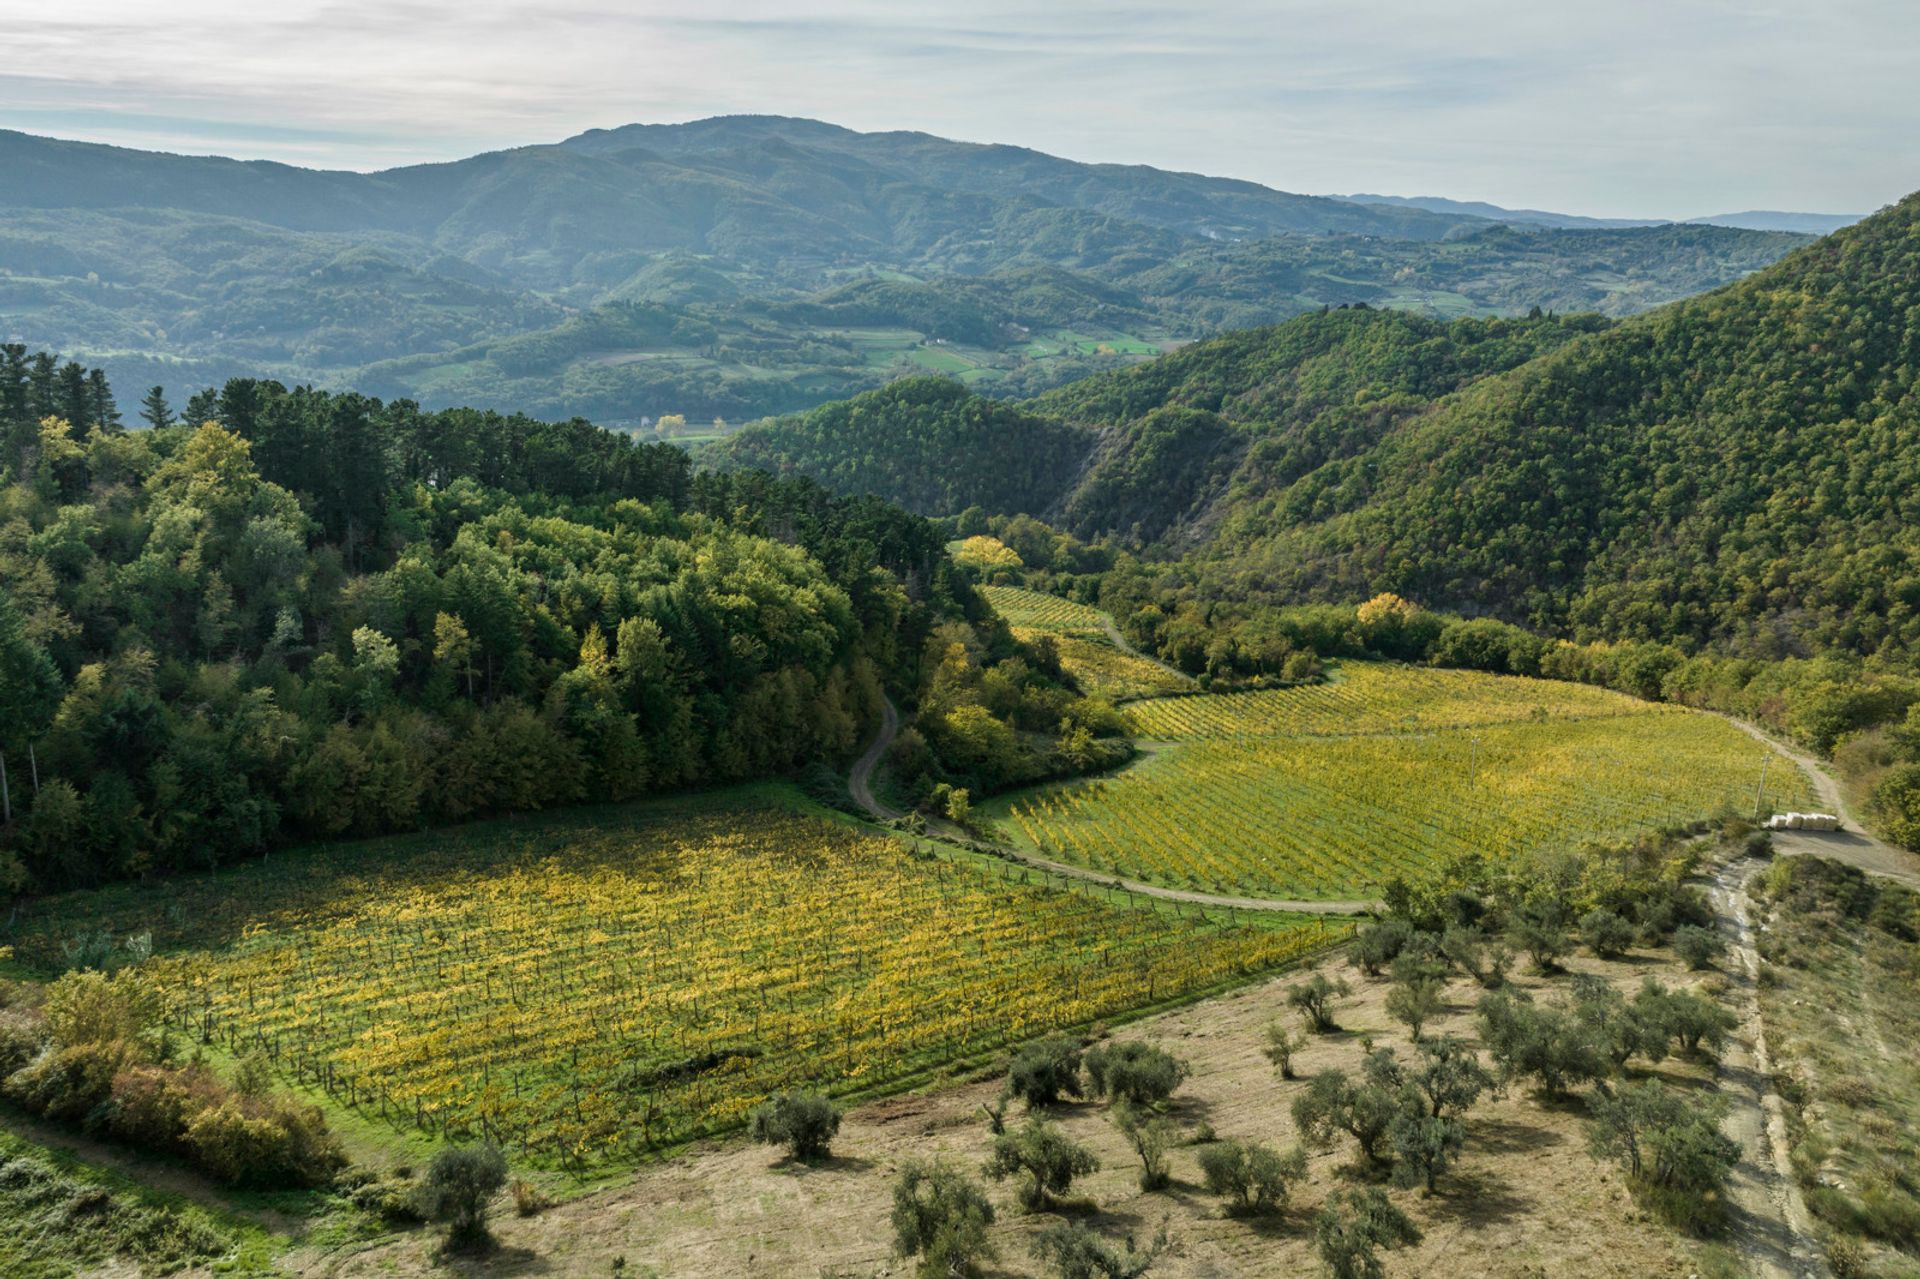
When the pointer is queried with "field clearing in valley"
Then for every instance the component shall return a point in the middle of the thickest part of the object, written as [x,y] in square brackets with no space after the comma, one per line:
[1384,771]
[1043,612]
[589,989]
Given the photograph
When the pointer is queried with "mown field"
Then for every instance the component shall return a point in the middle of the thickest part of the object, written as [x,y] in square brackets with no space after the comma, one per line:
[1325,791]
[590,988]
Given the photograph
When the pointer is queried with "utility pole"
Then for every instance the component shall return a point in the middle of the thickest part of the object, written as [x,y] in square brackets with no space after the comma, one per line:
[1760,791]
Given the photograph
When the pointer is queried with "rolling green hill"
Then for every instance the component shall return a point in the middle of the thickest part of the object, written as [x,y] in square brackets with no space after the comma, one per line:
[1739,468]
[799,263]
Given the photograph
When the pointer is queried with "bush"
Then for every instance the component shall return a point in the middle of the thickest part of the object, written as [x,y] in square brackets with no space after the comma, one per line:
[1540,929]
[1281,1045]
[1670,1146]
[1253,1178]
[1141,1074]
[1548,1044]
[94,1008]
[267,1145]
[1414,1004]
[941,1217]
[1606,934]
[1046,1160]
[460,1185]
[1151,1136]
[805,1123]
[1376,946]
[1314,998]
[394,1199]
[1699,947]
[1045,1070]
[528,1199]
[1076,1252]
[68,1083]
[1352,1229]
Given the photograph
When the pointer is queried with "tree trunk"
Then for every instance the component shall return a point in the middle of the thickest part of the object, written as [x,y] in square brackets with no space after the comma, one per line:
[6,798]
[34,765]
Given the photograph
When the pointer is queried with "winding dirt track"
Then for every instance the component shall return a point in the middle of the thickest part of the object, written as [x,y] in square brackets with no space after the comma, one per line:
[1772,1227]
[1852,843]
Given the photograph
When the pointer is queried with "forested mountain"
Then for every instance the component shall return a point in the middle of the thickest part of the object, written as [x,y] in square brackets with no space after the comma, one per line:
[790,262]
[1738,469]
[310,614]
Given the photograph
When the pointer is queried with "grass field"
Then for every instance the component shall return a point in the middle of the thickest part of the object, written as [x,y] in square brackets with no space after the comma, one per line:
[1323,792]
[587,989]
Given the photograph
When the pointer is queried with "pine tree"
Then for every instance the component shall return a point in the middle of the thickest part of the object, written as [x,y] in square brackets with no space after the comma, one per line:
[155,410]
[102,411]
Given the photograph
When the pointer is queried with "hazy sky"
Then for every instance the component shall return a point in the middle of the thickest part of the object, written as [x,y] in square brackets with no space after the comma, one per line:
[1616,107]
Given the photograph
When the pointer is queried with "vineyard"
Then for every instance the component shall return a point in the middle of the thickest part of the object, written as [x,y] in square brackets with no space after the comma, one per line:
[1043,612]
[585,991]
[1375,697]
[1101,670]
[1334,807]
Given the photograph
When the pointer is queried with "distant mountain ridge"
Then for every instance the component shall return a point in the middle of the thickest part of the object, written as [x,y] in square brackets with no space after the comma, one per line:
[735,267]
[1751,220]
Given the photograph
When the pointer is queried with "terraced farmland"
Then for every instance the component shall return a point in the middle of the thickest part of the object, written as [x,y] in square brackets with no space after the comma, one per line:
[1324,792]
[587,990]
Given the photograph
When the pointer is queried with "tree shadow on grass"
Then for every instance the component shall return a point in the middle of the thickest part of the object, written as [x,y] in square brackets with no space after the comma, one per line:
[1476,1198]
[1502,1136]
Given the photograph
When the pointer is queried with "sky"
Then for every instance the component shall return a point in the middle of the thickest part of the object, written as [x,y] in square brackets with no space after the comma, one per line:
[1620,108]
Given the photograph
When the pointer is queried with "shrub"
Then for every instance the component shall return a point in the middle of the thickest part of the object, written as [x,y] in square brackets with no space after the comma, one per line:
[1606,934]
[1151,1136]
[1669,1144]
[1076,1252]
[68,1083]
[1363,1109]
[394,1199]
[528,1199]
[268,1144]
[459,1186]
[94,1008]
[1448,1077]
[1045,1070]
[1044,1158]
[805,1123]
[941,1217]
[1548,1044]
[1414,1004]
[1134,1072]
[1314,998]
[1699,1024]
[1699,947]
[1253,1178]
[1352,1229]
[1376,946]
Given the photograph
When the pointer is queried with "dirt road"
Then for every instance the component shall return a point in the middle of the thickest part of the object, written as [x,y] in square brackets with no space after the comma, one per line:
[1772,1227]
[860,780]
[1851,843]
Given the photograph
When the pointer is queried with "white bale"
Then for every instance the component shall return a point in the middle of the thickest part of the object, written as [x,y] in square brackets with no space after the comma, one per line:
[1796,821]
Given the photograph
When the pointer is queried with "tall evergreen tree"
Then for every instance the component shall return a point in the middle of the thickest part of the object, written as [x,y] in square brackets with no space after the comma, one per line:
[102,411]
[155,410]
